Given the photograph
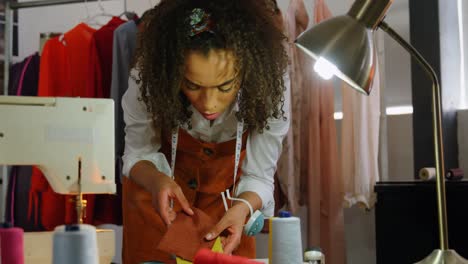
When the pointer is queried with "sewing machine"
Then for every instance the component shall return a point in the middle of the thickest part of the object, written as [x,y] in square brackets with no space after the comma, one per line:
[71,140]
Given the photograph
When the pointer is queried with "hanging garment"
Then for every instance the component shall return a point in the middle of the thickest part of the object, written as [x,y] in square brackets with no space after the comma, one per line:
[66,70]
[24,78]
[72,57]
[103,41]
[289,164]
[123,48]
[312,144]
[18,201]
[360,144]
[44,37]
[102,44]
[125,38]
[15,73]
[201,176]
[320,173]
[10,207]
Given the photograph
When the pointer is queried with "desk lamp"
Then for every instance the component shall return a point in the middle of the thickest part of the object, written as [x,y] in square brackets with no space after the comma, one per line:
[344,46]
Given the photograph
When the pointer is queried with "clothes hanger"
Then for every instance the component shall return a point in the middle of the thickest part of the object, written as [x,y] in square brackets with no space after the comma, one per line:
[128,15]
[89,20]
[103,11]
[92,20]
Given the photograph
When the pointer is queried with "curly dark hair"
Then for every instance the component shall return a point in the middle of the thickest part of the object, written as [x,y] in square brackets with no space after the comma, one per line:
[244,27]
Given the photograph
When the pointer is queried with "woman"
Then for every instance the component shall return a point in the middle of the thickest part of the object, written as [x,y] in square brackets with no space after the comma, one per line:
[207,87]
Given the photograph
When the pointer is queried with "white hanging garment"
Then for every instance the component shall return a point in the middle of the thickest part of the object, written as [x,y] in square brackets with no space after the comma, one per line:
[360,144]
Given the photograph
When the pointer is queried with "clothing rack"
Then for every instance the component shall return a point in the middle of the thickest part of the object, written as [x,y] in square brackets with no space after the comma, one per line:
[9,8]
[8,31]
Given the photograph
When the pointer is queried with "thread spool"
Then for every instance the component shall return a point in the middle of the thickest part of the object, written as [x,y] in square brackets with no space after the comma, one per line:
[285,245]
[427,174]
[206,256]
[454,174]
[314,256]
[11,244]
[75,244]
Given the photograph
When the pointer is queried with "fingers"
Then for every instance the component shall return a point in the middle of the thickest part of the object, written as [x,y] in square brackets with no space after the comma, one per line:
[183,201]
[162,202]
[232,242]
[233,225]
[219,227]
[164,208]
[172,215]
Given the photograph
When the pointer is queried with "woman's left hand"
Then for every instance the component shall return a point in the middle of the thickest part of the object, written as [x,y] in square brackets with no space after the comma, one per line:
[233,223]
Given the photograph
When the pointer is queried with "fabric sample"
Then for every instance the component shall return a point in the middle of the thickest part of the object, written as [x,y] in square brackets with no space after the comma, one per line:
[186,235]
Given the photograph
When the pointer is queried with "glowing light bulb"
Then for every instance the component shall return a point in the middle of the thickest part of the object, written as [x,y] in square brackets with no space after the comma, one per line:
[325,69]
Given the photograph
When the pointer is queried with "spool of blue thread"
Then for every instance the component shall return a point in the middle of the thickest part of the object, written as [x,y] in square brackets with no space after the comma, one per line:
[284,214]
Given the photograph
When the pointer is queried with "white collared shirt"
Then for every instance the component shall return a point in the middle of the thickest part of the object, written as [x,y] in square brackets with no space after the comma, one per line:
[143,142]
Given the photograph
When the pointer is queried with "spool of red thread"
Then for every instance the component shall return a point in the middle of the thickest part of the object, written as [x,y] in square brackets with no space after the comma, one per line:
[11,245]
[206,256]
[454,174]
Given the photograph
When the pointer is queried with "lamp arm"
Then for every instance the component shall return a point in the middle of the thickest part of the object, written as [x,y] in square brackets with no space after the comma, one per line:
[438,133]
[425,65]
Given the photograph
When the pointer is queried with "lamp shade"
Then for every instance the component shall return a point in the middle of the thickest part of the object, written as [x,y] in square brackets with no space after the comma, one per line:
[346,43]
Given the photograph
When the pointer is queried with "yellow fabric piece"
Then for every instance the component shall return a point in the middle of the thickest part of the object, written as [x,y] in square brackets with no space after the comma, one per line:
[217,247]
[182,261]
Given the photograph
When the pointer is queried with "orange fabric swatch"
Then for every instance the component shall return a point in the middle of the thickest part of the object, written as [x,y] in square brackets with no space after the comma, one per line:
[186,235]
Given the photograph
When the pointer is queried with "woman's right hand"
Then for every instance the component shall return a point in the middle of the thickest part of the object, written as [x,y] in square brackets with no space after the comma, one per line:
[164,190]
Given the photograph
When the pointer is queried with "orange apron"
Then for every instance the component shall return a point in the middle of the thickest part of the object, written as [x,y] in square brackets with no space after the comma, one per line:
[203,170]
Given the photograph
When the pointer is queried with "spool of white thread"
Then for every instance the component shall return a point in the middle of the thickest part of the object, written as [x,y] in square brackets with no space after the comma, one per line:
[75,244]
[285,245]
[427,174]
